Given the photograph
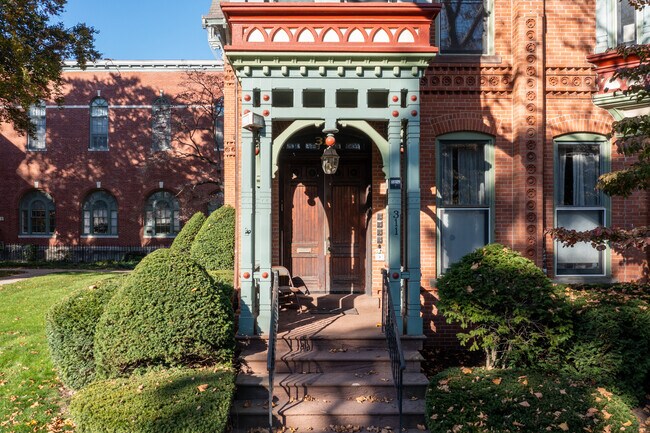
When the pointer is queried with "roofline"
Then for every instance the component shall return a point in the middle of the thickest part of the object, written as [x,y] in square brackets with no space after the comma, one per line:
[144,65]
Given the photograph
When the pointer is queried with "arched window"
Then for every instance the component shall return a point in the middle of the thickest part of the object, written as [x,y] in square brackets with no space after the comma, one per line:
[100,214]
[99,124]
[37,117]
[37,214]
[161,215]
[161,127]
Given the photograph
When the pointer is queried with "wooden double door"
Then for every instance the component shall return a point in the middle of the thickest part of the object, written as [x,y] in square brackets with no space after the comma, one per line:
[325,223]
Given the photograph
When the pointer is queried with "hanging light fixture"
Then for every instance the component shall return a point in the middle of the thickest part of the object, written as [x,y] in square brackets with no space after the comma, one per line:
[330,158]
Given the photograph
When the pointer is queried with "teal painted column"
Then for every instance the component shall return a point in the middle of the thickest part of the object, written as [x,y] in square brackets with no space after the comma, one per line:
[414,322]
[263,226]
[394,218]
[248,296]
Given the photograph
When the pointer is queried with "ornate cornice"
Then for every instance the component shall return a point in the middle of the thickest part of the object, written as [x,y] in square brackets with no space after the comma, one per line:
[571,81]
[454,78]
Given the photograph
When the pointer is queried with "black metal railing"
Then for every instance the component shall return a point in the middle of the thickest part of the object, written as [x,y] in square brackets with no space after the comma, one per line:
[72,253]
[273,337]
[391,331]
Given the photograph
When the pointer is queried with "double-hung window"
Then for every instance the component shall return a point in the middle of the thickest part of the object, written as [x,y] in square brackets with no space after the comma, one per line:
[578,204]
[465,26]
[218,124]
[464,196]
[37,116]
[98,124]
[619,23]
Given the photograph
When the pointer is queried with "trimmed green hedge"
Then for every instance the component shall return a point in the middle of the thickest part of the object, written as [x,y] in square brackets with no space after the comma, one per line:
[169,312]
[167,401]
[479,400]
[214,245]
[611,346]
[184,239]
[226,281]
[70,329]
[510,309]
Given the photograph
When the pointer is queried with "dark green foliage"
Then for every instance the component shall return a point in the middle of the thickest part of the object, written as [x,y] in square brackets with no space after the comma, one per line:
[611,346]
[70,329]
[214,245]
[34,44]
[184,239]
[167,401]
[167,313]
[479,400]
[508,306]
[225,281]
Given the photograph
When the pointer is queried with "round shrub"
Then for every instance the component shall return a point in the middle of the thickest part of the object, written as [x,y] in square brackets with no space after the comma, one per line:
[225,279]
[169,312]
[214,245]
[509,308]
[70,329]
[167,401]
[480,400]
[184,239]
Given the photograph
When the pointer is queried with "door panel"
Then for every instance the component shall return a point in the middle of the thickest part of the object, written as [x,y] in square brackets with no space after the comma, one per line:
[306,223]
[347,246]
[324,224]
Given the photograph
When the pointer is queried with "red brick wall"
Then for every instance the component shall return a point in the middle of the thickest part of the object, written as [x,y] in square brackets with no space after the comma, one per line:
[129,170]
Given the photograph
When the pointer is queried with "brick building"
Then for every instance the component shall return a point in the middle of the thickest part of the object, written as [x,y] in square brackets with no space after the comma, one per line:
[107,167]
[455,124]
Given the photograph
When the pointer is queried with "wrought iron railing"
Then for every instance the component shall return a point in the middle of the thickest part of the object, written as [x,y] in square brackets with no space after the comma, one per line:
[273,337]
[391,331]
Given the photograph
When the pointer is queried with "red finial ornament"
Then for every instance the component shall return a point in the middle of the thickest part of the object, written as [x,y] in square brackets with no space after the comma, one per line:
[247,98]
[246,275]
[330,140]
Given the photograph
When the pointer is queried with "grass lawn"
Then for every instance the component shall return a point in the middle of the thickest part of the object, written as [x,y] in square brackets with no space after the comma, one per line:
[29,389]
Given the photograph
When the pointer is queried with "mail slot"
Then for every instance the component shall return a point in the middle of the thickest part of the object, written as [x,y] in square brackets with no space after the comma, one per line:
[303,250]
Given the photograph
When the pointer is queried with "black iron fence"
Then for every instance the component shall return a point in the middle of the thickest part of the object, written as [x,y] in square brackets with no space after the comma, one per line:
[72,253]
[391,331]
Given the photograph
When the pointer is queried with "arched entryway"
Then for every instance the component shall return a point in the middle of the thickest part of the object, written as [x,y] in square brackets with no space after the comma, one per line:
[324,218]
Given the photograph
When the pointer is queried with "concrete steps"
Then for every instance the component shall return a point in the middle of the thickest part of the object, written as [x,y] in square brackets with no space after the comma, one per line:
[332,373]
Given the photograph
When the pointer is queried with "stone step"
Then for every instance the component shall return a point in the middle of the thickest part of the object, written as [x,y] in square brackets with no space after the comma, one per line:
[287,343]
[319,415]
[329,385]
[320,361]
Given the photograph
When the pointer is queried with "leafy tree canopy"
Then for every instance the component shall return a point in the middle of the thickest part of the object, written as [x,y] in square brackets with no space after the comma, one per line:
[32,50]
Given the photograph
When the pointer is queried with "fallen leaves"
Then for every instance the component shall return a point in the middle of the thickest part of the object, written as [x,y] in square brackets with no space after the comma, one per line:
[203,387]
[564,426]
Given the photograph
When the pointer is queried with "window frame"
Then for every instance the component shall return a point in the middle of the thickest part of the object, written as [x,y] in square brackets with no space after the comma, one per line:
[219,124]
[489,151]
[150,217]
[88,209]
[26,204]
[40,123]
[96,104]
[161,136]
[488,33]
[607,25]
[605,202]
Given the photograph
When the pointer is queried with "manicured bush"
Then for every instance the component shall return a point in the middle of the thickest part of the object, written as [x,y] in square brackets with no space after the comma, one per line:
[214,245]
[611,345]
[225,279]
[506,304]
[184,239]
[169,312]
[167,401]
[70,329]
[479,400]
